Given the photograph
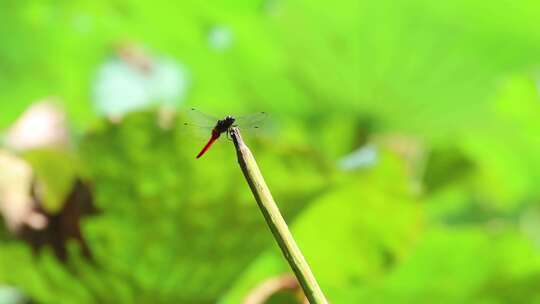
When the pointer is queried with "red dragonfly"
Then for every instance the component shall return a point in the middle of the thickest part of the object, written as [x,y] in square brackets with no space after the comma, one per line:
[217,126]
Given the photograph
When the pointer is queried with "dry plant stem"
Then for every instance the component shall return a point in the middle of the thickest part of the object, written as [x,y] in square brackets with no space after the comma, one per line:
[275,221]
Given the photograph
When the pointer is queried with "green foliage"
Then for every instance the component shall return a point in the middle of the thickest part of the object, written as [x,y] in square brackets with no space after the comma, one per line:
[56,171]
[456,77]
[161,235]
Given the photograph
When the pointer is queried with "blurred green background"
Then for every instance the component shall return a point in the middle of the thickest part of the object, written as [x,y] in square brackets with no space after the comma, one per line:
[403,147]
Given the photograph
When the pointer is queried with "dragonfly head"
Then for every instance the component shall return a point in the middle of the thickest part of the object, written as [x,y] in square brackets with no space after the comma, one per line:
[225,123]
[229,120]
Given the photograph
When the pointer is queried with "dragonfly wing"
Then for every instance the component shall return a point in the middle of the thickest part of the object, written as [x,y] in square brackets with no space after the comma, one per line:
[196,132]
[252,120]
[198,118]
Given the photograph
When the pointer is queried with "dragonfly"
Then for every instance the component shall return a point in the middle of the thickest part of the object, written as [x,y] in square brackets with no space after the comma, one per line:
[216,127]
